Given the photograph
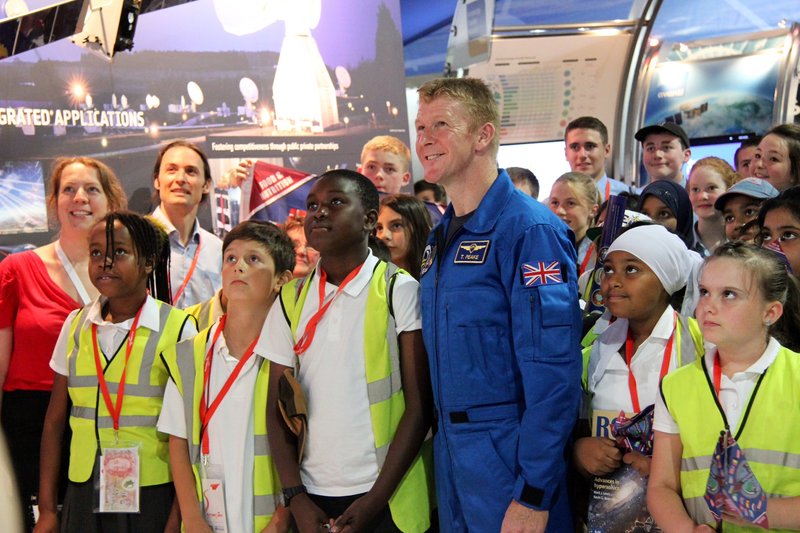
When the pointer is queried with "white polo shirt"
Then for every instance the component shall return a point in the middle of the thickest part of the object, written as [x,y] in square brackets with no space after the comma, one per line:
[230,430]
[339,458]
[608,372]
[734,392]
[207,276]
[110,336]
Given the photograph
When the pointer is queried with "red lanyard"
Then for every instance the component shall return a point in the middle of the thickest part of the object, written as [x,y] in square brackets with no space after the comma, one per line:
[311,328]
[206,411]
[664,365]
[101,377]
[717,374]
[586,258]
[188,274]
[608,188]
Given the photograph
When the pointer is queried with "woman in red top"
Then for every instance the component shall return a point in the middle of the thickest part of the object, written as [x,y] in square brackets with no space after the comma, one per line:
[38,289]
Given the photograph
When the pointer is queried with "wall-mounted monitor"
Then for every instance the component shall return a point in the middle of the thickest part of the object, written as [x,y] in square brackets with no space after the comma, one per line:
[723,147]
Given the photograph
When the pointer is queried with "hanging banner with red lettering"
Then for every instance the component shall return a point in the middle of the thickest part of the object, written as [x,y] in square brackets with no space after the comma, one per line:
[271,184]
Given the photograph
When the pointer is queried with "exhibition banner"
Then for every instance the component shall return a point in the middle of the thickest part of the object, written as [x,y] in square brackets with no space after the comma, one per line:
[300,84]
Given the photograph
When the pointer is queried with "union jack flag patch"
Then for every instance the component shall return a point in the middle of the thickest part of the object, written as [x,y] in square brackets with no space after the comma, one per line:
[540,273]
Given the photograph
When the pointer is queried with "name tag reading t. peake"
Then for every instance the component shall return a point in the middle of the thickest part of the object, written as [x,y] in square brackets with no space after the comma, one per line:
[471,252]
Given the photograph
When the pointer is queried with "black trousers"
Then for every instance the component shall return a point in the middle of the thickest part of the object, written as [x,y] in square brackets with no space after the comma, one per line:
[22,420]
[334,506]
[78,516]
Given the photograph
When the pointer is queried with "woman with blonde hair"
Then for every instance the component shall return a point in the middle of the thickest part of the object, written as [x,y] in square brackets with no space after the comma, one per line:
[38,289]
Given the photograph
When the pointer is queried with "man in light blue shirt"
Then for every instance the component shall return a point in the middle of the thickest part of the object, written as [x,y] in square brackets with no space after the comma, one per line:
[587,148]
[182,178]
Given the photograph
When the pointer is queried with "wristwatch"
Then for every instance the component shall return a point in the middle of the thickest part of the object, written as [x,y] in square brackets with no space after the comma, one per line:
[291,492]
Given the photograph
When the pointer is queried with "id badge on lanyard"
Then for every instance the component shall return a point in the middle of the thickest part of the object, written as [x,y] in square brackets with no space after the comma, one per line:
[213,484]
[117,477]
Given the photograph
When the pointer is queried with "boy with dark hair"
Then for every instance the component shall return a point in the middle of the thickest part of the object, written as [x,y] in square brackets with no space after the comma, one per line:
[587,148]
[743,157]
[430,192]
[215,404]
[666,150]
[351,331]
[524,180]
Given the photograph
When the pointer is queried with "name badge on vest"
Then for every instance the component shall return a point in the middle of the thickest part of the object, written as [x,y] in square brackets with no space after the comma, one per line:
[428,255]
[118,472]
[212,481]
[471,252]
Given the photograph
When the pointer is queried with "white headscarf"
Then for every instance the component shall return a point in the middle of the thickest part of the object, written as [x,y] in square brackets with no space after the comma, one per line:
[662,251]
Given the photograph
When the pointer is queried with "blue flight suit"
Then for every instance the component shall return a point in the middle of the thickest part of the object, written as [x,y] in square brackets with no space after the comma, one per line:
[501,324]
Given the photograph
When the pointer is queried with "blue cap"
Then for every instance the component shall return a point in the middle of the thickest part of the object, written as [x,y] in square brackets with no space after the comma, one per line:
[752,187]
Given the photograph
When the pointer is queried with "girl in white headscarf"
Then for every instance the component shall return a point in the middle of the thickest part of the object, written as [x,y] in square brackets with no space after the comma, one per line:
[646,338]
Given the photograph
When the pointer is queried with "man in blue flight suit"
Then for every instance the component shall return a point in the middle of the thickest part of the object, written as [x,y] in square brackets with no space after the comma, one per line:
[501,325]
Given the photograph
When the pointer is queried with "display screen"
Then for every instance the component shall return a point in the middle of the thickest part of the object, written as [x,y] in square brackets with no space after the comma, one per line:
[725,96]
[723,147]
[22,198]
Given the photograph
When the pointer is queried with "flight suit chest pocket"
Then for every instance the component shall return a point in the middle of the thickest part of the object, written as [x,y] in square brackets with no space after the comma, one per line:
[552,318]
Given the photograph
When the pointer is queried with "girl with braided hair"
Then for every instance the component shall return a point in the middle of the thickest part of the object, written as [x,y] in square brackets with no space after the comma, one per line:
[106,362]
[38,289]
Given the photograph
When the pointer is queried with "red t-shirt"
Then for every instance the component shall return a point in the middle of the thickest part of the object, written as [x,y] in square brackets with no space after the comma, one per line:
[31,303]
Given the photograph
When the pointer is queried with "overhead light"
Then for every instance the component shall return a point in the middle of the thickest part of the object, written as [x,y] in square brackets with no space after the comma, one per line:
[607,32]
[15,8]
[106,28]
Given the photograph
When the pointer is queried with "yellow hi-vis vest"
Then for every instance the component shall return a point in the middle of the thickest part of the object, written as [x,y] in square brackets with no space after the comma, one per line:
[186,367]
[206,313]
[145,381]
[688,345]
[767,432]
[410,504]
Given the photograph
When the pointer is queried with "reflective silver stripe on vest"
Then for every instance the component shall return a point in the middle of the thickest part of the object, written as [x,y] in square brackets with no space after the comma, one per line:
[106,422]
[771,457]
[142,389]
[688,349]
[261,445]
[203,317]
[150,348]
[72,357]
[702,462]
[83,412]
[383,389]
[264,505]
[184,355]
[698,510]
[380,454]
[755,455]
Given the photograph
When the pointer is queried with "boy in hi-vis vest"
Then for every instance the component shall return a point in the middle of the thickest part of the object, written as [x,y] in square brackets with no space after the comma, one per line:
[351,332]
[215,404]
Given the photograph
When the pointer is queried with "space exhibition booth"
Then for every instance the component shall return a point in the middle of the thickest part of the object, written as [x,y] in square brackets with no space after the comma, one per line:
[721,91]
[296,86]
